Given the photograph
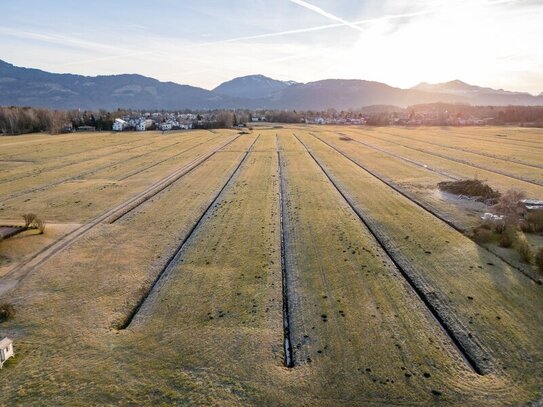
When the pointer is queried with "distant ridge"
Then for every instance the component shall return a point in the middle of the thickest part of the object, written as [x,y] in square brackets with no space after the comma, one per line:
[37,88]
[252,87]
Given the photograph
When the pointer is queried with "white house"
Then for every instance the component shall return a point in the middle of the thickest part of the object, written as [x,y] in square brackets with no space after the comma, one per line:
[144,125]
[119,125]
[6,350]
[166,126]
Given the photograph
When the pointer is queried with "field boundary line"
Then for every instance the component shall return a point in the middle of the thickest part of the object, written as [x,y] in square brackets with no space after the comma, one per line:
[532,276]
[11,279]
[173,260]
[468,348]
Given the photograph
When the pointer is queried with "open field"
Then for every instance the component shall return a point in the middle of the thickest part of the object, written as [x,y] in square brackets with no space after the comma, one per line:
[302,265]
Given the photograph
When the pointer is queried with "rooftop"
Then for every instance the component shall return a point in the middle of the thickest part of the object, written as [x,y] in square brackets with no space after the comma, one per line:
[5,342]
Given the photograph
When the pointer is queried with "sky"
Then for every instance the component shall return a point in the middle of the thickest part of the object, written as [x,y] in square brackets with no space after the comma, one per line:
[495,43]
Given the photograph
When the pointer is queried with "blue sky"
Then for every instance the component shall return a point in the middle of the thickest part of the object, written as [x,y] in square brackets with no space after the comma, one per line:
[493,43]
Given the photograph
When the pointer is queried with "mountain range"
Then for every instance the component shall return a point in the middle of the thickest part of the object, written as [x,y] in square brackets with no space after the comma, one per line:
[32,87]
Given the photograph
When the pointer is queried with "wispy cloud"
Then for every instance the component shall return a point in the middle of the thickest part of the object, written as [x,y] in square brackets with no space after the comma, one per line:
[432,40]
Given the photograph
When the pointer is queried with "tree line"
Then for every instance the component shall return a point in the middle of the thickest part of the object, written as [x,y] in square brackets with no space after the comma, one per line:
[20,120]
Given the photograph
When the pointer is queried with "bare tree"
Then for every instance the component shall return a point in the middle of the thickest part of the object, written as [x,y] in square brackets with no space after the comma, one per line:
[509,206]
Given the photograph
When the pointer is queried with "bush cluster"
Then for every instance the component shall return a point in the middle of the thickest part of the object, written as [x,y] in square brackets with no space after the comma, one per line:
[539,259]
[7,312]
[525,251]
[33,222]
[505,240]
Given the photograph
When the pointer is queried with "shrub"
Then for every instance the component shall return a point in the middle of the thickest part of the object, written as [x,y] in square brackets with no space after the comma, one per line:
[525,251]
[482,235]
[29,218]
[539,259]
[525,227]
[7,312]
[499,227]
[40,225]
[508,205]
[505,241]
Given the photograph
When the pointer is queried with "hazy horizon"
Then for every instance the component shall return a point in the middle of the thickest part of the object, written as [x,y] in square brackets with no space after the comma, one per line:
[400,43]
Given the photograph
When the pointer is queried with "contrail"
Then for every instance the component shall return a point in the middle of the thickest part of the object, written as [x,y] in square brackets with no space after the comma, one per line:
[326,14]
[350,24]
[123,53]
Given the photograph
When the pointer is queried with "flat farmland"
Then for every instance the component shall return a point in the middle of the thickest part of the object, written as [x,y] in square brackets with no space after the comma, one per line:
[301,265]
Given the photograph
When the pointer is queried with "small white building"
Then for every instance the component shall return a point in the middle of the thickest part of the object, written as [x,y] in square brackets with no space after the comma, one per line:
[492,217]
[144,125]
[119,125]
[6,350]
[166,126]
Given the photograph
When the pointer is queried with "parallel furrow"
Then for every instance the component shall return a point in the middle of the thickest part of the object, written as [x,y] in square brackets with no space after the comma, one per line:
[470,350]
[22,270]
[287,342]
[176,256]
[467,150]
[423,205]
[468,163]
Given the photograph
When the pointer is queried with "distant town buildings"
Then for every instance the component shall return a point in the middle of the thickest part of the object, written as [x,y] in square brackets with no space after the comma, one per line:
[155,121]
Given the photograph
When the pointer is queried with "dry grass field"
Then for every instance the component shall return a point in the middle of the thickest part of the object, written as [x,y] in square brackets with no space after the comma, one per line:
[300,265]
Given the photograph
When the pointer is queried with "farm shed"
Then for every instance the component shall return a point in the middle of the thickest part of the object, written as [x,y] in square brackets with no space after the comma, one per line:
[6,350]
